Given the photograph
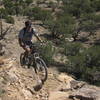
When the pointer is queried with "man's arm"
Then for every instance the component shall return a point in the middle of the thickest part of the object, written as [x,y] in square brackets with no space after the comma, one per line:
[38,37]
[34,32]
[20,42]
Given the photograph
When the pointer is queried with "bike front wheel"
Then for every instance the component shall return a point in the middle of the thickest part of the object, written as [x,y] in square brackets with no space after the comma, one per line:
[41,69]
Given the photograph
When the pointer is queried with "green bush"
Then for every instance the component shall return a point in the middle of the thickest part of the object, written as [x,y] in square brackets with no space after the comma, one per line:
[77,7]
[86,65]
[47,53]
[3,12]
[28,12]
[40,14]
[93,57]
[9,6]
[72,49]
[10,19]
[95,4]
[16,7]
[8,3]
[28,2]
[97,18]
[62,26]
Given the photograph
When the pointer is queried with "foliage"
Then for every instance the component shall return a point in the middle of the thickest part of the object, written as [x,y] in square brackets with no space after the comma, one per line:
[3,13]
[27,12]
[47,52]
[72,49]
[85,64]
[9,19]
[64,23]
[28,2]
[95,4]
[40,14]
[77,7]
[90,22]
[16,7]
[62,26]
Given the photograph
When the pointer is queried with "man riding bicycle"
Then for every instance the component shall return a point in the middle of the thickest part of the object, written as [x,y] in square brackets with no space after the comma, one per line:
[25,41]
[25,36]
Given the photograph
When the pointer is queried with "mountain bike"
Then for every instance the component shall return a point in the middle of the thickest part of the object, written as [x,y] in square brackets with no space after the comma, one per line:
[34,61]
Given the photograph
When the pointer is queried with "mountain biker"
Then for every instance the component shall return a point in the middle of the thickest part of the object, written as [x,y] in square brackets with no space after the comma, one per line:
[25,40]
[25,36]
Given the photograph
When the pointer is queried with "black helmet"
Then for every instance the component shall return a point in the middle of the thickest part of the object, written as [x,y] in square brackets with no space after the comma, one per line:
[28,23]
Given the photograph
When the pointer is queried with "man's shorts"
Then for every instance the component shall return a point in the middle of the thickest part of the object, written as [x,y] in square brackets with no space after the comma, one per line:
[27,43]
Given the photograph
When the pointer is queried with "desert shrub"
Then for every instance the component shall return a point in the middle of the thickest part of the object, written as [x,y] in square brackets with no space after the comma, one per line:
[16,7]
[76,8]
[85,65]
[62,26]
[97,18]
[89,26]
[10,19]
[7,3]
[40,14]
[95,4]
[3,12]
[47,53]
[9,6]
[28,12]
[90,23]
[72,49]
[93,57]
[28,2]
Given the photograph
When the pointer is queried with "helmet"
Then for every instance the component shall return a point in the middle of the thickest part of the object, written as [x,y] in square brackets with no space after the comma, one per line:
[28,23]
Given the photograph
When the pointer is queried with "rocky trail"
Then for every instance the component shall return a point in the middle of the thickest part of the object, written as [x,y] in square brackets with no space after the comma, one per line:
[18,83]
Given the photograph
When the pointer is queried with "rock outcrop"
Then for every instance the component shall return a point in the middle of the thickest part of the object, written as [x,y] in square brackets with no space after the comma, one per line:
[87,92]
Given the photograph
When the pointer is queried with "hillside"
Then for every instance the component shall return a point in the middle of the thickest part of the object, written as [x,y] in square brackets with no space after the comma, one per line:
[17,83]
[72,52]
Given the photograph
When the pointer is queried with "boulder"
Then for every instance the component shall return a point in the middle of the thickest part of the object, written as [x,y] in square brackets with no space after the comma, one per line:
[87,92]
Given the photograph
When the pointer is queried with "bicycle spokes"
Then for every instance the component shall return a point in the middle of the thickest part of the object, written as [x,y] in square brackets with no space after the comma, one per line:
[41,70]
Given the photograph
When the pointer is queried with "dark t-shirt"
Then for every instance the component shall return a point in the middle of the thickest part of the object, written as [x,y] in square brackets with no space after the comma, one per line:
[24,35]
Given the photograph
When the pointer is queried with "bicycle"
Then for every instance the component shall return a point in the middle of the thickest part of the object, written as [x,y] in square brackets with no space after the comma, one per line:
[36,62]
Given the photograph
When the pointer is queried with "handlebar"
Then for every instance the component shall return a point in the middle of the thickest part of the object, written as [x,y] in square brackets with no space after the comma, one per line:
[38,44]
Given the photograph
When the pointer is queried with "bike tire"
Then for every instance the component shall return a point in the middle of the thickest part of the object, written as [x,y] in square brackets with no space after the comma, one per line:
[24,61]
[21,59]
[40,68]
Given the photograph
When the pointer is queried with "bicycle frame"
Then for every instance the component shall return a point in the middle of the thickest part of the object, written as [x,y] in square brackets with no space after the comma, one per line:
[39,67]
[36,55]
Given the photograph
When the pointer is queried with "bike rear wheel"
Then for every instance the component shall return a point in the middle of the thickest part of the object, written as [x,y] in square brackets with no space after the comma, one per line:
[41,69]
[22,59]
